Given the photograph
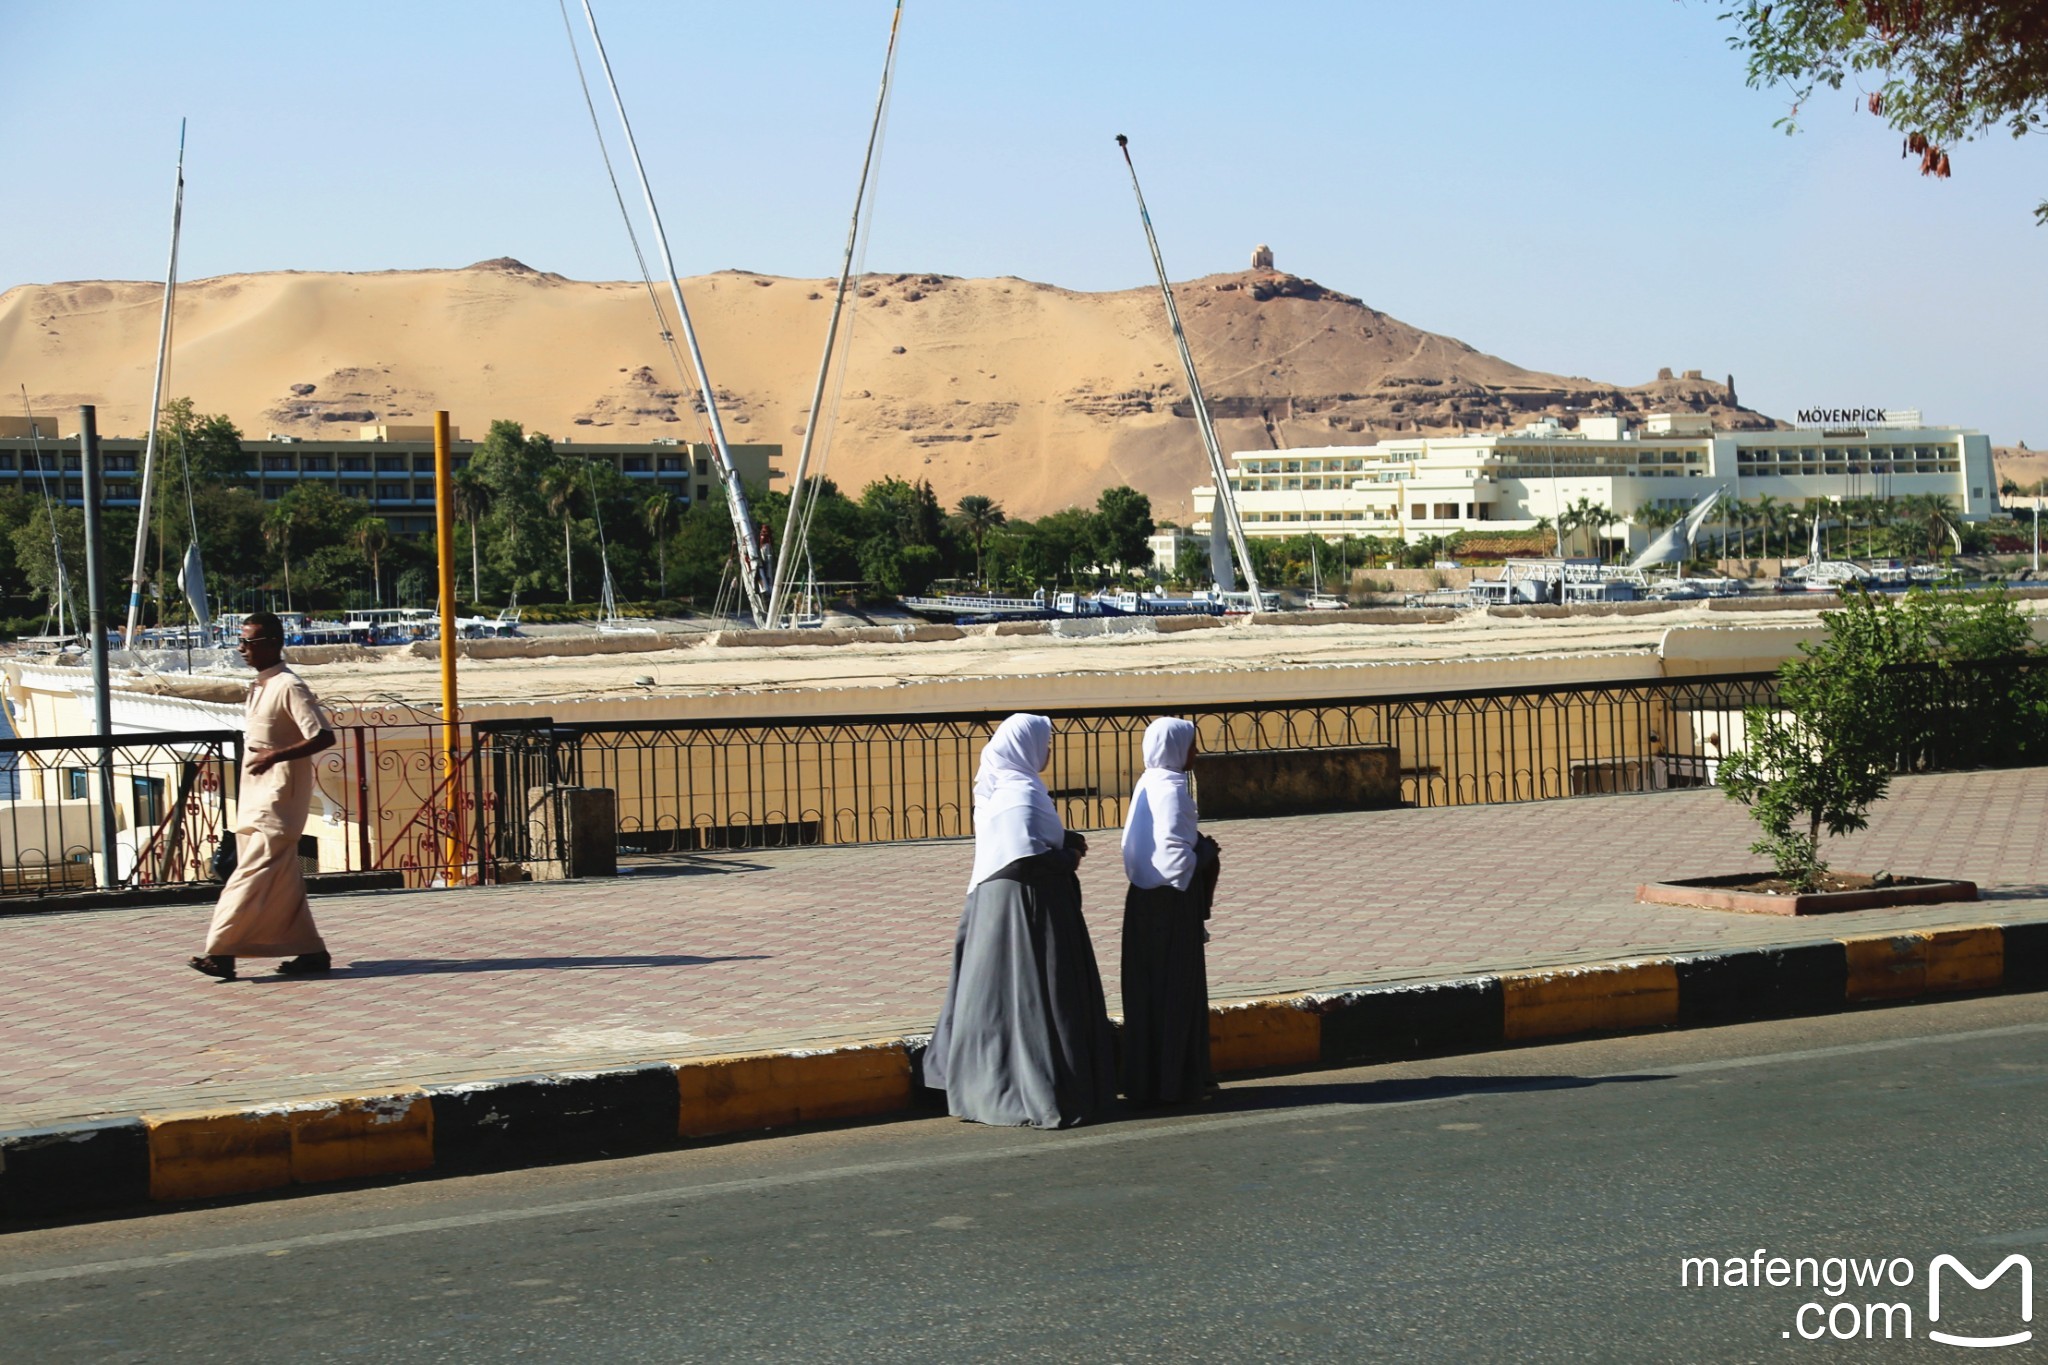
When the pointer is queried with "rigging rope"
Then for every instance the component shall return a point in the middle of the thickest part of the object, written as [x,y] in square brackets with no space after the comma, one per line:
[668,336]
[797,524]
[60,588]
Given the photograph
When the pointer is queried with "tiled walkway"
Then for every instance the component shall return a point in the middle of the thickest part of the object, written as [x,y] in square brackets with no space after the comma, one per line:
[720,952]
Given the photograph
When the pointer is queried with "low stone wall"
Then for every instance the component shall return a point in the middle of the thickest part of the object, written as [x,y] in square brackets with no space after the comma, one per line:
[1236,786]
[543,646]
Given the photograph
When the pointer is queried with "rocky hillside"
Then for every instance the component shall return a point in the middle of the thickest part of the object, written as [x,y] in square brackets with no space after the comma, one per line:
[1035,395]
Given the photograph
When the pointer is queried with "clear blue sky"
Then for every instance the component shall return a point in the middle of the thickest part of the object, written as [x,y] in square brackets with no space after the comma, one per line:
[1587,188]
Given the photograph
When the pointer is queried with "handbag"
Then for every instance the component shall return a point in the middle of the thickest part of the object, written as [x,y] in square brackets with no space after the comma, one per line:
[225,855]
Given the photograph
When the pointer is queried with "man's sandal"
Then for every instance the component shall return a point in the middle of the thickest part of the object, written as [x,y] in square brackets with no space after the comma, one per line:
[210,965]
[306,964]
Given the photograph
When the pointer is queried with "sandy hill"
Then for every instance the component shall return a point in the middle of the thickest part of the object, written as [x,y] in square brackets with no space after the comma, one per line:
[1035,395]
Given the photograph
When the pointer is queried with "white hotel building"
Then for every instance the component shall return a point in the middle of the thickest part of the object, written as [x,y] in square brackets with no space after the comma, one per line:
[1434,485]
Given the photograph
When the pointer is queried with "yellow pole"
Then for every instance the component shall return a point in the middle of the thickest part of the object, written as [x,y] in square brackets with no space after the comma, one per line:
[444,529]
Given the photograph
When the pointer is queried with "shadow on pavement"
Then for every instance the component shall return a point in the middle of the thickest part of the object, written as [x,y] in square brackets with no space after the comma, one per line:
[686,866]
[1395,1091]
[2012,893]
[431,966]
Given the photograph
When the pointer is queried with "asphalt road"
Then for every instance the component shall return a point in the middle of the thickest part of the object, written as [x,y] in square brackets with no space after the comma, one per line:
[1535,1204]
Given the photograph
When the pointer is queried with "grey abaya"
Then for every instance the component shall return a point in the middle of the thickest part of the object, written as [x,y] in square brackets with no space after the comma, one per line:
[1023,1036]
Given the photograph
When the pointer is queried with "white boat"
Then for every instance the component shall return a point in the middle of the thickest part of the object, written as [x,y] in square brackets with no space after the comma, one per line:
[1318,600]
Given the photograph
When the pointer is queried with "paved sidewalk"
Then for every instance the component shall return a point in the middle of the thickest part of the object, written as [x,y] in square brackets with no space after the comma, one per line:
[732,952]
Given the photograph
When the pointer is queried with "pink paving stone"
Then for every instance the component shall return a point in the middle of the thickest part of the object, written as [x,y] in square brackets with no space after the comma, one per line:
[674,959]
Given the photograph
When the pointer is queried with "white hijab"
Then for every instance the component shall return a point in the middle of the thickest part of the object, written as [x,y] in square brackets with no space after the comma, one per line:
[1013,814]
[1159,835]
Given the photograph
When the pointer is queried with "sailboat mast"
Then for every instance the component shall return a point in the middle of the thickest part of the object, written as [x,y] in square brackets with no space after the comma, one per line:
[751,578]
[156,401]
[794,520]
[1226,504]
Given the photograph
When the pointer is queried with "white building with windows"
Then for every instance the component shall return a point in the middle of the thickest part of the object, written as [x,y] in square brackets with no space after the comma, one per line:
[1433,485]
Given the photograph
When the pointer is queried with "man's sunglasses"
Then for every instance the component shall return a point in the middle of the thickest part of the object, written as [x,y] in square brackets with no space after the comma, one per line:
[260,640]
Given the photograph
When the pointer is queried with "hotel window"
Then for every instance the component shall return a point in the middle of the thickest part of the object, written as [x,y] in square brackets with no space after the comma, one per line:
[314,464]
[393,492]
[423,462]
[277,464]
[120,464]
[703,489]
[1447,511]
[670,464]
[635,464]
[74,783]
[1416,513]
[703,468]
[355,464]
[356,490]
[6,459]
[272,492]
[391,464]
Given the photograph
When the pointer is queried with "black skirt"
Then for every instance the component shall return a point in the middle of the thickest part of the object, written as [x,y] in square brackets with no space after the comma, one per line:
[1166,997]
[1023,1036]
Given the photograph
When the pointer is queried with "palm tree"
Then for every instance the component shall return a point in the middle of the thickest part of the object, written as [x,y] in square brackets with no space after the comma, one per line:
[372,535]
[558,490]
[978,515]
[1587,515]
[657,509]
[277,533]
[1768,510]
[473,502]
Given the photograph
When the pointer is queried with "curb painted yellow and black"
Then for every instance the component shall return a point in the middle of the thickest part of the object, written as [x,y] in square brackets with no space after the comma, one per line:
[89,1166]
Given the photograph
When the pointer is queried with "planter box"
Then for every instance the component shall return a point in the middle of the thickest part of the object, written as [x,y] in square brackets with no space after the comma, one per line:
[1720,893]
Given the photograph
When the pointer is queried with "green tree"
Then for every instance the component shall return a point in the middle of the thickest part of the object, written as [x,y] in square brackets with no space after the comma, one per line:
[35,554]
[472,504]
[372,536]
[977,515]
[1123,523]
[516,524]
[559,488]
[1059,543]
[657,515]
[1849,714]
[1939,72]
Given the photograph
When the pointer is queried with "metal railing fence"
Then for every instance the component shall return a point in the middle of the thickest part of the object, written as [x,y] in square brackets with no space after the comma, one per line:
[391,796]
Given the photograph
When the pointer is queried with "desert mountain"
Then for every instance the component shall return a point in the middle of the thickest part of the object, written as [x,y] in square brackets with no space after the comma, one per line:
[1037,396]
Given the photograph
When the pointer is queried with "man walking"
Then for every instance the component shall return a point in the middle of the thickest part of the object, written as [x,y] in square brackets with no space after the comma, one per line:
[263,910]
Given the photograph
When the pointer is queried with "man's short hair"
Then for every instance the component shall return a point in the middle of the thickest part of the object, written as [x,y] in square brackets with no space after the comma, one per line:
[267,623]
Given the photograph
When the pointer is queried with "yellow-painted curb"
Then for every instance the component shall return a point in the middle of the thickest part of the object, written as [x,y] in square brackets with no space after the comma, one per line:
[770,1090]
[363,1136]
[208,1154]
[200,1156]
[1259,1034]
[1621,995]
[1971,958]
[1893,967]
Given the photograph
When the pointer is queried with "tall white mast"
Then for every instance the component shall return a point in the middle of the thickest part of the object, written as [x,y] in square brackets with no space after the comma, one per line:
[1226,502]
[752,581]
[156,401]
[794,521]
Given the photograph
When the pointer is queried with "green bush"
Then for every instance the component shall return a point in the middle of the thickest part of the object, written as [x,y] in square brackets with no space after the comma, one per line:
[1852,711]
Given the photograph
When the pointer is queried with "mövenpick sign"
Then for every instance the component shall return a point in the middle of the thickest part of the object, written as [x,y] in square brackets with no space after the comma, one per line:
[1867,1318]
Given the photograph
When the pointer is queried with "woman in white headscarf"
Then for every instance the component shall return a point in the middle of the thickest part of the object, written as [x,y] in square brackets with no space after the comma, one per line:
[1023,1036]
[1172,870]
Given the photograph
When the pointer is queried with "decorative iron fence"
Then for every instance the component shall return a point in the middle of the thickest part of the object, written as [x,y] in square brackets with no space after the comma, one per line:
[166,794]
[394,794]
[688,785]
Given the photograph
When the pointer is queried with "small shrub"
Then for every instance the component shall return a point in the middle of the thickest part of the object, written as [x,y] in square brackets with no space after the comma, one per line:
[1850,714]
